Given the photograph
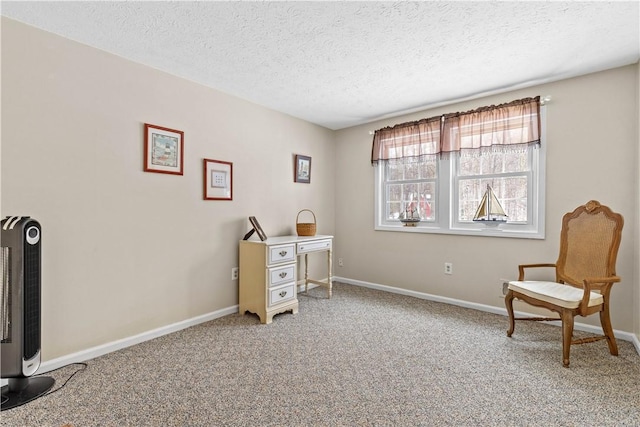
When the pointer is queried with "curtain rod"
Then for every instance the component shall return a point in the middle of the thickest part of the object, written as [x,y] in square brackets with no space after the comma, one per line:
[543,101]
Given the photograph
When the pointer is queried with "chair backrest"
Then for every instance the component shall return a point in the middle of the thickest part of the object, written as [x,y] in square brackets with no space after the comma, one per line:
[589,243]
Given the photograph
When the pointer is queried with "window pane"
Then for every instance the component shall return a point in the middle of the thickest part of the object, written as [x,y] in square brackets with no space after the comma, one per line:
[510,191]
[394,201]
[516,162]
[415,197]
[393,210]
[429,168]
[412,169]
[492,163]
[470,165]
[395,171]
[426,201]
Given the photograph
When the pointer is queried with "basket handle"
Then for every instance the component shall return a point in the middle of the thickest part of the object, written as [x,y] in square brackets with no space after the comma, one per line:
[298,216]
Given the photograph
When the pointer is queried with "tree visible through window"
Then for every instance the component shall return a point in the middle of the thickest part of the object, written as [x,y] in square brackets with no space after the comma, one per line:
[411,187]
[508,174]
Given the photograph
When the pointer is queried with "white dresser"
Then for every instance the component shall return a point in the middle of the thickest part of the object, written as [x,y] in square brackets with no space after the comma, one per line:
[268,273]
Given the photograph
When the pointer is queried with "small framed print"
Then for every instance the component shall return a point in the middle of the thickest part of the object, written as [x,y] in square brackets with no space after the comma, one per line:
[218,180]
[163,150]
[303,169]
[257,228]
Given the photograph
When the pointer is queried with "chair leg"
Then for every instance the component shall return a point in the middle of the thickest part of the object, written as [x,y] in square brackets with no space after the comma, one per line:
[508,301]
[567,334]
[608,330]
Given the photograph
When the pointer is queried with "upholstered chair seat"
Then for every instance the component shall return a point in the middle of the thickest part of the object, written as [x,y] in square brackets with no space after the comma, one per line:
[555,293]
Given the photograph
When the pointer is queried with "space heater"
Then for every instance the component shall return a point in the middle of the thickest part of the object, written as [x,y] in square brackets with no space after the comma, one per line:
[21,244]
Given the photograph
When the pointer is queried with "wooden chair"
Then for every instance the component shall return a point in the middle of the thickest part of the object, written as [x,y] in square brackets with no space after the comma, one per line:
[585,272]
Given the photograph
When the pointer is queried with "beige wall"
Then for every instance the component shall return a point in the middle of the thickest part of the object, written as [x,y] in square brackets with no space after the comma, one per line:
[125,251]
[592,153]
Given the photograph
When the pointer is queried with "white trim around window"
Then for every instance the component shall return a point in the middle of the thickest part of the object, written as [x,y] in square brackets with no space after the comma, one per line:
[444,218]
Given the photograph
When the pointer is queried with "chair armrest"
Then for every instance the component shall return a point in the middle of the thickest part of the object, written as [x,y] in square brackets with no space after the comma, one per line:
[522,267]
[598,283]
[602,284]
[602,280]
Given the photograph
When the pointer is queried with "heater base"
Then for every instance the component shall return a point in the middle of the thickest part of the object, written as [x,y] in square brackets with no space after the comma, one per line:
[23,390]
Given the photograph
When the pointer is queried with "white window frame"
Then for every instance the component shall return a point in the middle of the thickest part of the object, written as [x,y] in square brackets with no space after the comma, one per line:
[446,218]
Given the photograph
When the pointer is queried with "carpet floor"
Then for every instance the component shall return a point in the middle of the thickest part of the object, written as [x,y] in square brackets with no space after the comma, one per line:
[363,358]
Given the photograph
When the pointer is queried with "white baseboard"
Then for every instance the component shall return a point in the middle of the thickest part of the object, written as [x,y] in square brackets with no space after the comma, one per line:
[636,343]
[622,335]
[103,349]
[92,353]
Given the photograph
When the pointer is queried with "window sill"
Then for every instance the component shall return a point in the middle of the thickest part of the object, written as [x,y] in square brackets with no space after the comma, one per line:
[484,231]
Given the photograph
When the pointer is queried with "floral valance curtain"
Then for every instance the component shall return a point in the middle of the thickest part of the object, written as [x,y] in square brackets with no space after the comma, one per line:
[508,126]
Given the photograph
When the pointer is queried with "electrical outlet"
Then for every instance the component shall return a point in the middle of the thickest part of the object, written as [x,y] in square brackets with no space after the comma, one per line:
[234,273]
[505,286]
[340,262]
[448,268]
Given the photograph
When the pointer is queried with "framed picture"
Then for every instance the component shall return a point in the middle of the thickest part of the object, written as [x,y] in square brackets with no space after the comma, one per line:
[218,180]
[303,169]
[163,149]
[256,226]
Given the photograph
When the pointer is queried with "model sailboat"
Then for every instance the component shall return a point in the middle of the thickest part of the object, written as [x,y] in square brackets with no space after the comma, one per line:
[411,216]
[490,211]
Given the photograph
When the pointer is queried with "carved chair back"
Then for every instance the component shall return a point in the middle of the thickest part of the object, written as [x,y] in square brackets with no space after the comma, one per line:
[589,243]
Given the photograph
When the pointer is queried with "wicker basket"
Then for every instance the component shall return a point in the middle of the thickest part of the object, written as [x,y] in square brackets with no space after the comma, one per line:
[306,228]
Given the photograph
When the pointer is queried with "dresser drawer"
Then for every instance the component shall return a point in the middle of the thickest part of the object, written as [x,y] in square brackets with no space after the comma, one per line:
[282,294]
[283,253]
[281,275]
[320,245]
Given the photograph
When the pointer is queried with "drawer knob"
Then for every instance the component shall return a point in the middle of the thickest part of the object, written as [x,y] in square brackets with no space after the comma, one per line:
[283,253]
[282,294]
[283,274]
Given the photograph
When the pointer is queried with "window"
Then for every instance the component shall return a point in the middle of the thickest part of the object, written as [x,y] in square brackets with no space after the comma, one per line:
[416,178]
[410,186]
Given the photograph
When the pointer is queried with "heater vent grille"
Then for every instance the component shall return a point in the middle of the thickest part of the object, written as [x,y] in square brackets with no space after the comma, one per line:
[31,300]
[5,295]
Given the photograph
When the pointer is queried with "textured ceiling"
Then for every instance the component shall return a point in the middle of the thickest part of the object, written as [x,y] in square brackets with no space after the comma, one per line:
[339,64]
